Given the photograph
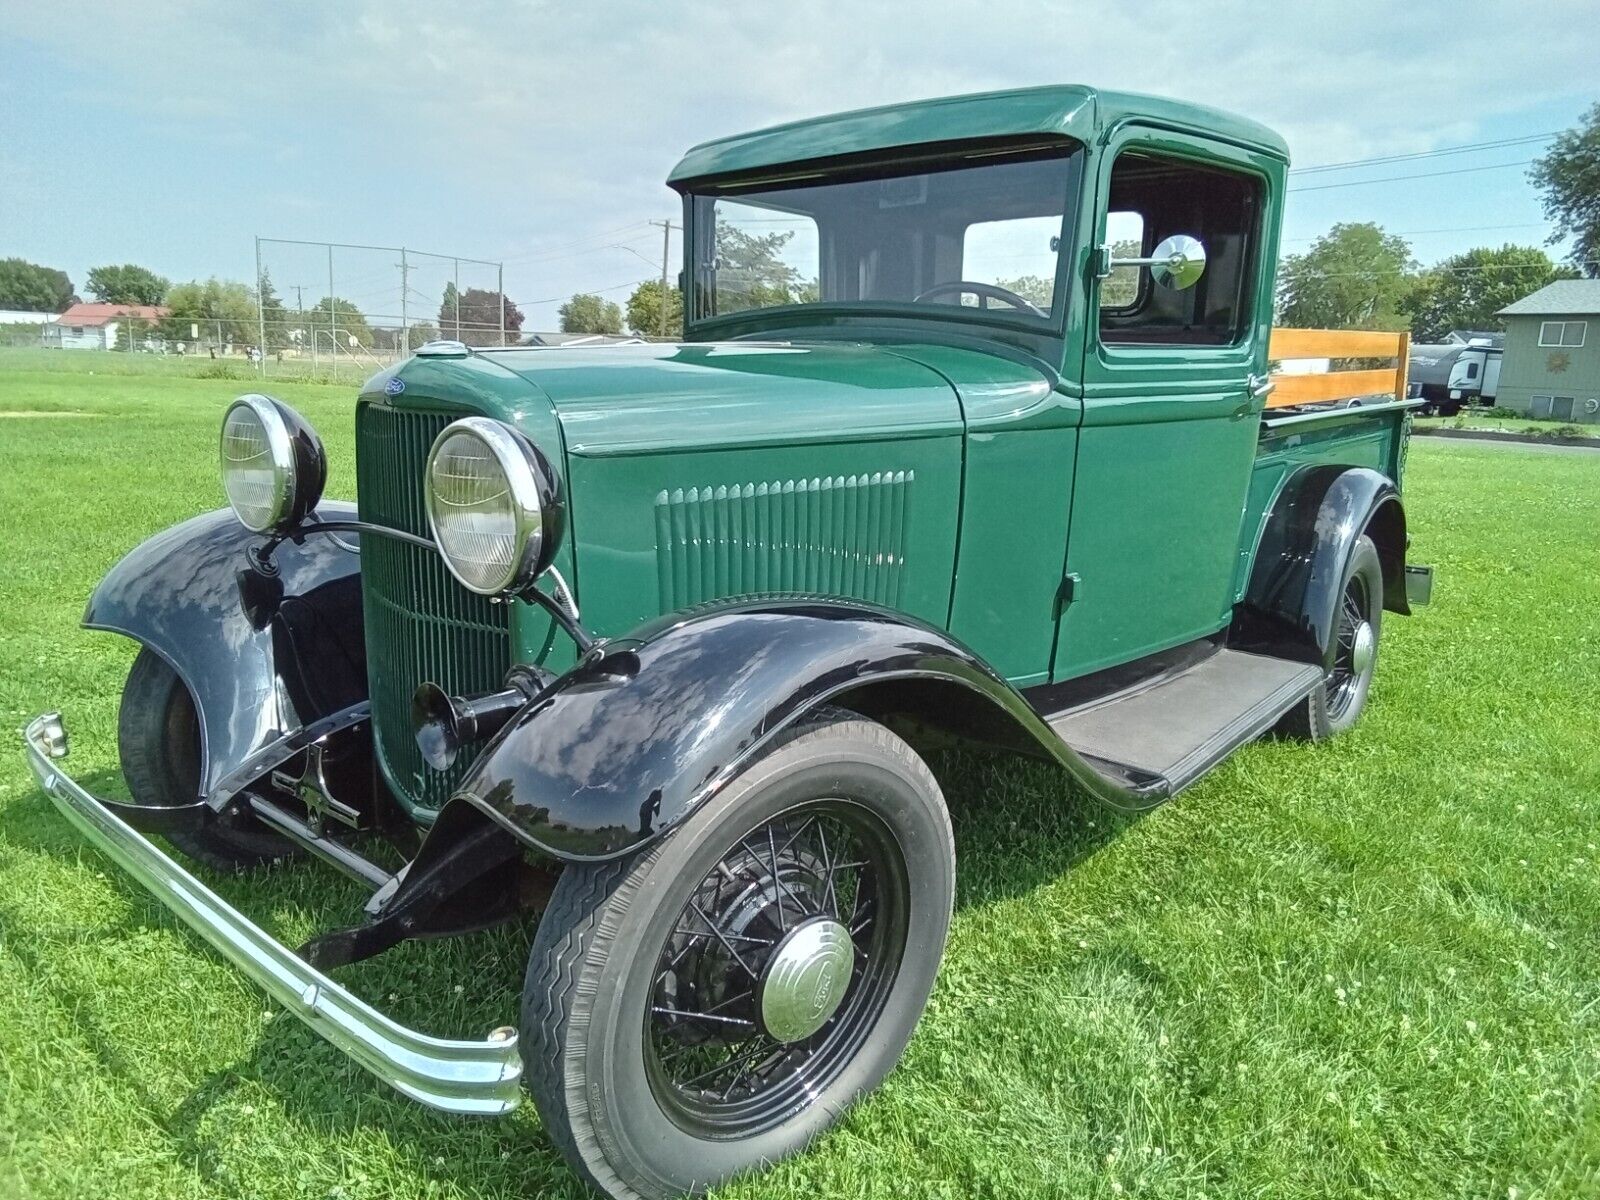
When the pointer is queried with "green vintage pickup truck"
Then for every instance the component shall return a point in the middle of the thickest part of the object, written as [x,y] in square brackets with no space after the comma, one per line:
[971,440]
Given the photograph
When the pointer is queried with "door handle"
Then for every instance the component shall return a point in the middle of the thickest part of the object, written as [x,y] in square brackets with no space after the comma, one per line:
[1260,385]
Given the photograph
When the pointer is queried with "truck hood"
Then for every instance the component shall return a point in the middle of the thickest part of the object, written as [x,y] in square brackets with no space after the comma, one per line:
[660,397]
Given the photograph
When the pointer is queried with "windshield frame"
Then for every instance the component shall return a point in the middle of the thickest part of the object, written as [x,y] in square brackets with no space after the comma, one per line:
[1016,327]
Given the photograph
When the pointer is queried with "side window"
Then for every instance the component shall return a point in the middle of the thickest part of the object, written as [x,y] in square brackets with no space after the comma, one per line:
[1153,198]
[765,257]
[1018,255]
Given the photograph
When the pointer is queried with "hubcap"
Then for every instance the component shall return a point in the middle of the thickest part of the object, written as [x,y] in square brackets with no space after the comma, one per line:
[1362,647]
[806,978]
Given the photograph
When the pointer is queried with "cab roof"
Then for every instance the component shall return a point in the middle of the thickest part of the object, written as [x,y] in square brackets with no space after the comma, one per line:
[1065,110]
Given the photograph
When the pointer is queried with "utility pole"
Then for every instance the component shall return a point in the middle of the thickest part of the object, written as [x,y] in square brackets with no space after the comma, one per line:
[500,287]
[405,286]
[261,314]
[666,253]
[333,319]
[300,306]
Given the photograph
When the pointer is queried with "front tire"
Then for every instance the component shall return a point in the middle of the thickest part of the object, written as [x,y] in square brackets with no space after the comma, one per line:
[158,741]
[1338,701]
[713,1003]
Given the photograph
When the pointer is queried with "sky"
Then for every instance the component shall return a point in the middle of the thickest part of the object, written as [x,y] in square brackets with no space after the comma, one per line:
[172,133]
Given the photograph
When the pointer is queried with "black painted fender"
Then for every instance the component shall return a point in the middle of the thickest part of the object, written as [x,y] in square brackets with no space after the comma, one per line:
[627,744]
[263,656]
[1294,593]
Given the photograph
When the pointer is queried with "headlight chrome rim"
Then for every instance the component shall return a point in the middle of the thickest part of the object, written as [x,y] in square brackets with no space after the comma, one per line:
[531,490]
[279,447]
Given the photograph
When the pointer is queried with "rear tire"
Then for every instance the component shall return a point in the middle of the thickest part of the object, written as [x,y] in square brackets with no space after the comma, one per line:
[657,1055]
[1338,701]
[158,741]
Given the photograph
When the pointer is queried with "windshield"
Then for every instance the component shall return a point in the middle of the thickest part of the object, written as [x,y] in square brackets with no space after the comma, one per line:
[981,234]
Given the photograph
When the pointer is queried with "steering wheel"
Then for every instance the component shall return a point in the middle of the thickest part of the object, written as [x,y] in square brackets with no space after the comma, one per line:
[984,292]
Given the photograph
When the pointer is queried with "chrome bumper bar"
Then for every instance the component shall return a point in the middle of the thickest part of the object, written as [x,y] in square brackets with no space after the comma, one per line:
[481,1078]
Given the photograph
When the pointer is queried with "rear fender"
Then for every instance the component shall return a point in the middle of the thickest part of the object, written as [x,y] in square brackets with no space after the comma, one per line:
[263,656]
[627,744]
[1293,597]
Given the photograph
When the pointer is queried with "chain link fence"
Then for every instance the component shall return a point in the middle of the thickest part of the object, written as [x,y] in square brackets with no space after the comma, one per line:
[338,310]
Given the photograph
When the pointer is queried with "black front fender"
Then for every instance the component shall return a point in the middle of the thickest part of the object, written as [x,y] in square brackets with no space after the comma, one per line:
[1297,576]
[263,656]
[627,744]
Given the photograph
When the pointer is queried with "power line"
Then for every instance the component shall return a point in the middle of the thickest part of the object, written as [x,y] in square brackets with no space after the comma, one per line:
[1469,148]
[616,287]
[1323,187]
[562,247]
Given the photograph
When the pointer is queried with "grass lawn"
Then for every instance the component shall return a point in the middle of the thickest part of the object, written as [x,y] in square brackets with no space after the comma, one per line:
[1370,968]
[1491,422]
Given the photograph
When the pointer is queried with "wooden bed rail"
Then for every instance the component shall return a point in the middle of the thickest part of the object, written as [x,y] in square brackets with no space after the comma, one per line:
[1337,385]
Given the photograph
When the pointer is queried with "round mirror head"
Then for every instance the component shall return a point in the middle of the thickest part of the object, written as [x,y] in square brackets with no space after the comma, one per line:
[1178,262]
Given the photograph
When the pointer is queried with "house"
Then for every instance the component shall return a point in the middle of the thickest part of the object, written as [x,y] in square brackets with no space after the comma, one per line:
[1552,356]
[95,326]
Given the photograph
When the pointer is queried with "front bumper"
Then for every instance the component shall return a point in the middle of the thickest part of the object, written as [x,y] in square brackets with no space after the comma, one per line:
[480,1078]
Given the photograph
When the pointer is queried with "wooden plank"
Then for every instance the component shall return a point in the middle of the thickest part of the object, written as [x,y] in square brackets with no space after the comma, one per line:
[1330,385]
[1402,369]
[1334,343]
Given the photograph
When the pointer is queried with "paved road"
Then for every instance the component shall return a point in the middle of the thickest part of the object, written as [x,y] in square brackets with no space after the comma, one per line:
[1536,447]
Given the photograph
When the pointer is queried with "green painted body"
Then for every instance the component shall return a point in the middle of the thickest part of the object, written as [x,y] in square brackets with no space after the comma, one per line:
[950,470]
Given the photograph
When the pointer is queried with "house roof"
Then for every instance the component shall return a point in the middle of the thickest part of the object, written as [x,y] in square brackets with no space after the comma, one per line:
[1576,296]
[100,314]
[1065,110]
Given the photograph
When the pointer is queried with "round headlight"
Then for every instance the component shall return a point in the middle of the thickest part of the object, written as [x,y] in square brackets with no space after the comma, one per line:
[494,504]
[273,465]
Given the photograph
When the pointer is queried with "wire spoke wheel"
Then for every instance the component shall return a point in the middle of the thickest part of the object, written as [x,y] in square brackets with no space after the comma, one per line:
[713,1002]
[777,968]
[1352,654]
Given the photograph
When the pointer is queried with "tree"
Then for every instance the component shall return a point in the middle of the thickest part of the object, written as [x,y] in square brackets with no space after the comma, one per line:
[644,310]
[223,310]
[31,288]
[1465,291]
[333,321]
[477,313]
[1569,176]
[751,272]
[275,319]
[1034,288]
[127,284]
[1353,277]
[588,313]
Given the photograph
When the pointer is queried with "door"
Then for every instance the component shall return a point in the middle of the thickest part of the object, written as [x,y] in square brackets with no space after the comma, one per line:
[1172,400]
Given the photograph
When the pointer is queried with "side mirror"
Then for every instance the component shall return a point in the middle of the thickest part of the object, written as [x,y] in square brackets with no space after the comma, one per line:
[1177,263]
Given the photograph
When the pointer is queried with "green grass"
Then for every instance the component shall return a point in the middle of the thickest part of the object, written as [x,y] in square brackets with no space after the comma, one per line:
[1369,968]
[345,369]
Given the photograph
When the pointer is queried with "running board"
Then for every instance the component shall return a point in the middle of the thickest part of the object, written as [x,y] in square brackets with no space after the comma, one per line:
[1177,728]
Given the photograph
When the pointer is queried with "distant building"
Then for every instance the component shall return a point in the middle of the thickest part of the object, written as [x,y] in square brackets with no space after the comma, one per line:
[96,326]
[1552,359]
[17,316]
